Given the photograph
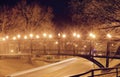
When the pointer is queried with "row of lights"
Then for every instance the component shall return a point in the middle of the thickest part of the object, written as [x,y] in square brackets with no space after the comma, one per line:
[51,36]
[26,37]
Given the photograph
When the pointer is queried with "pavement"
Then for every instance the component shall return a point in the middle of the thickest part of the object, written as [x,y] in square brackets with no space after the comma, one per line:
[63,68]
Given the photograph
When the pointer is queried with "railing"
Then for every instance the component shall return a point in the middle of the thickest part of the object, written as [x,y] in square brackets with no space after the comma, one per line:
[104,72]
[76,48]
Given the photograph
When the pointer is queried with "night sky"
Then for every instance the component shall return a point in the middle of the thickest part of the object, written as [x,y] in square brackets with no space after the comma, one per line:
[60,8]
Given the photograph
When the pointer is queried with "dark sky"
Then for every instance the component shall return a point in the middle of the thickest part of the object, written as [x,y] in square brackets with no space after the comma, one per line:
[60,8]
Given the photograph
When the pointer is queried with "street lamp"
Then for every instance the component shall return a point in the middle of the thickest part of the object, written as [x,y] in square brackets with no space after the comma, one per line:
[44,35]
[78,36]
[25,37]
[59,34]
[93,36]
[50,36]
[31,35]
[64,36]
[3,39]
[56,42]
[14,38]
[59,42]
[37,36]
[108,49]
[44,41]
[7,37]
[11,51]
[109,35]
[18,36]
[74,34]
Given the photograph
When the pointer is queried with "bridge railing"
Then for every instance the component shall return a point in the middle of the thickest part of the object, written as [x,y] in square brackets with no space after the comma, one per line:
[104,72]
[96,48]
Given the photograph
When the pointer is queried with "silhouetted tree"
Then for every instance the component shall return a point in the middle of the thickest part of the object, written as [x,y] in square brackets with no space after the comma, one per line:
[26,18]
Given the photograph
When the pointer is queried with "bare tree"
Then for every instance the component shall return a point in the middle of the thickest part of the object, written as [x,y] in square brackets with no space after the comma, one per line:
[96,13]
[26,18]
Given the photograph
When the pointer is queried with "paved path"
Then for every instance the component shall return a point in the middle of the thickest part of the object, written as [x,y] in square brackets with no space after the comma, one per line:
[60,69]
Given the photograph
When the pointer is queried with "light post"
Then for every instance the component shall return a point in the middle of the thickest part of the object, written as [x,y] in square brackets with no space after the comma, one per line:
[109,36]
[14,39]
[31,38]
[4,44]
[74,44]
[44,38]
[58,43]
[64,36]
[92,36]
[18,36]
[25,38]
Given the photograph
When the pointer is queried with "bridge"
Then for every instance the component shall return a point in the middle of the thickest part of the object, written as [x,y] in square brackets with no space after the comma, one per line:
[82,48]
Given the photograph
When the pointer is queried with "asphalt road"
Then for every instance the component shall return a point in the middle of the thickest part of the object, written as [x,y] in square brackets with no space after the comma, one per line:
[64,68]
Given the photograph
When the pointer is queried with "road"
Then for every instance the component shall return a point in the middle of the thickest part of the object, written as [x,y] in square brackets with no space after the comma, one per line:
[61,69]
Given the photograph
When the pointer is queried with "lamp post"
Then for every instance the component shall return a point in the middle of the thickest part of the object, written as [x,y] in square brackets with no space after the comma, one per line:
[109,36]
[18,36]
[93,36]
[76,36]
[59,43]
[31,38]
[44,47]
[64,36]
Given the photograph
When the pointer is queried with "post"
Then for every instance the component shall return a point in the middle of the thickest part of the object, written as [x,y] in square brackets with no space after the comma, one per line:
[58,46]
[44,46]
[73,47]
[18,45]
[90,49]
[107,54]
[30,57]
[92,73]
[31,46]
[117,72]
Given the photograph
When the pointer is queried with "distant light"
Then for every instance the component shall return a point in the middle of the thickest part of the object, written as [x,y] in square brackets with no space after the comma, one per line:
[59,34]
[78,36]
[85,46]
[92,35]
[64,36]
[74,34]
[3,39]
[96,43]
[18,35]
[37,36]
[56,42]
[14,38]
[112,44]
[109,35]
[12,51]
[50,36]
[44,35]
[76,45]
[31,35]
[7,37]
[25,37]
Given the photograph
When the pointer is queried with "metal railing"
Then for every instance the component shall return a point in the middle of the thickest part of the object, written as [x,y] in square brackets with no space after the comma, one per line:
[76,48]
[103,72]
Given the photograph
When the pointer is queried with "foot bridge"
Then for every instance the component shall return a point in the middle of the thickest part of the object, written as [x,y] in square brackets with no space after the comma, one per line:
[87,49]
